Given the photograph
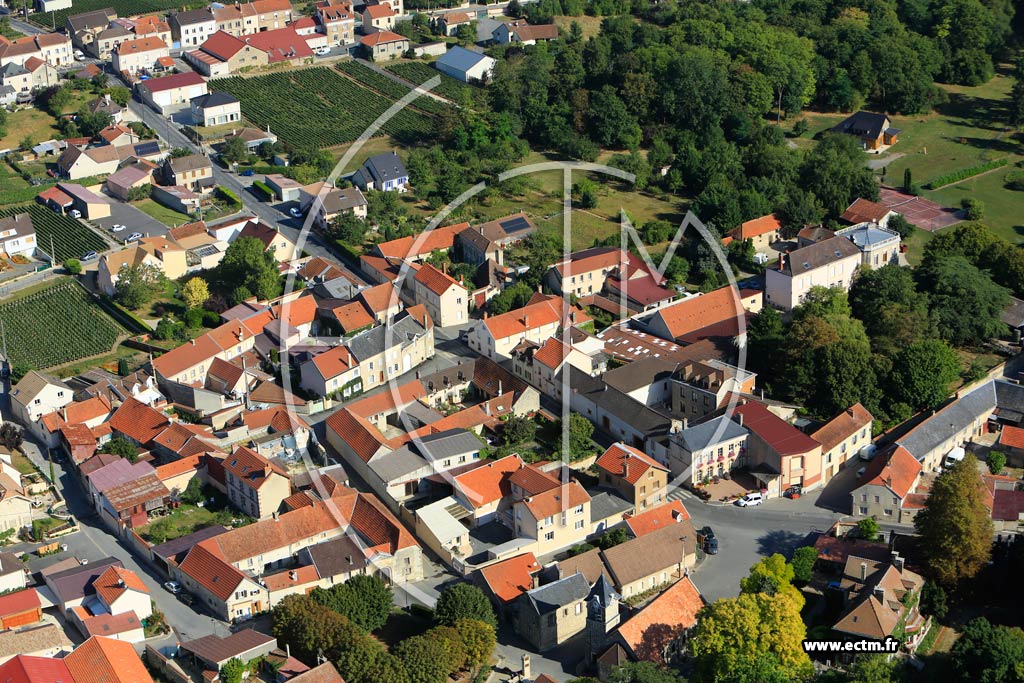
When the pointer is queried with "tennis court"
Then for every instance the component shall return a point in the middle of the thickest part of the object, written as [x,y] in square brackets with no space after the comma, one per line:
[919,211]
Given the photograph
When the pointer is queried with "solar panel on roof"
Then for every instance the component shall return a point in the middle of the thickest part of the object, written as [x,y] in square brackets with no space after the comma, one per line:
[515,224]
[147,148]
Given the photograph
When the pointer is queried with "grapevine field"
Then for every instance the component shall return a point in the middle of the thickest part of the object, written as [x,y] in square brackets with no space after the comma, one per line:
[124,8]
[56,325]
[386,86]
[418,72]
[319,107]
[70,238]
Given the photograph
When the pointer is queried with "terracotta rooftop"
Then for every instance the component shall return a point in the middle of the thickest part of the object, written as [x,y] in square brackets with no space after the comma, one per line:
[106,660]
[662,619]
[626,462]
[489,483]
[843,426]
[897,471]
[701,311]
[657,518]
[511,578]
[781,436]
[865,211]
[759,226]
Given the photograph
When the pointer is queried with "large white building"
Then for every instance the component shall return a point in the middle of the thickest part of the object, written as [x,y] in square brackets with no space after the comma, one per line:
[829,263]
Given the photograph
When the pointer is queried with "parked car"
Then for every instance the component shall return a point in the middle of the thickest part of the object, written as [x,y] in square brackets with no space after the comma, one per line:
[134,237]
[793,492]
[75,213]
[248,172]
[186,598]
[868,452]
[750,500]
[173,587]
[861,471]
[89,256]
[79,55]
[117,227]
[295,212]
[711,546]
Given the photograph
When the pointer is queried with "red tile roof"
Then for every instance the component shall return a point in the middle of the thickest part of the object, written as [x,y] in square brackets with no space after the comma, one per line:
[1007,505]
[759,226]
[552,353]
[657,518]
[19,602]
[545,310]
[627,462]
[112,624]
[662,620]
[222,45]
[1011,437]
[556,500]
[281,44]
[380,298]
[303,576]
[781,436]
[432,278]
[210,571]
[29,669]
[138,421]
[334,362]
[511,578]
[379,11]
[182,80]
[865,211]
[181,466]
[105,660]
[843,426]
[353,316]
[389,401]
[147,44]
[361,436]
[277,419]
[701,311]
[115,581]
[251,468]
[898,471]
[422,244]
[533,480]
[380,37]
[488,483]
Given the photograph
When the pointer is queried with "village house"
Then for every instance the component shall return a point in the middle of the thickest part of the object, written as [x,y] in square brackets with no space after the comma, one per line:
[14,80]
[878,246]
[164,94]
[701,388]
[382,46]
[658,632]
[326,204]
[780,455]
[540,364]
[211,652]
[842,438]
[830,263]
[15,505]
[886,489]
[522,33]
[13,572]
[168,257]
[17,235]
[488,241]
[335,20]
[449,24]
[191,28]
[762,232]
[75,162]
[636,476]
[53,48]
[215,109]
[255,485]
[416,248]
[35,395]
[194,171]
[120,183]
[864,212]
[709,449]
[496,336]
[378,18]
[875,131]
[116,610]
[465,65]
[274,241]
[140,54]
[445,299]
[655,559]
[504,581]
[552,614]
[383,172]
[83,28]
[257,16]
[20,608]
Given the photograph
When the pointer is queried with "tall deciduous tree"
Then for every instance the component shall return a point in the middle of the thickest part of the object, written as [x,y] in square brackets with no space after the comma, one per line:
[965,303]
[955,526]
[990,653]
[137,285]
[479,640]
[248,265]
[195,292]
[922,373]
[464,601]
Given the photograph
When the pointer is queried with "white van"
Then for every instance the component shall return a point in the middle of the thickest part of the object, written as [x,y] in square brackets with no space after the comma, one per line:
[953,457]
[750,499]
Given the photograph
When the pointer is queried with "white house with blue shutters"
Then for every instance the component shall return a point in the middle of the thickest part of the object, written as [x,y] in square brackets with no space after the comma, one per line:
[384,172]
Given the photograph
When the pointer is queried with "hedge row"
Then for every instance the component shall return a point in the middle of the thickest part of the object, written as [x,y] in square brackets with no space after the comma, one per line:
[122,315]
[963,174]
[263,188]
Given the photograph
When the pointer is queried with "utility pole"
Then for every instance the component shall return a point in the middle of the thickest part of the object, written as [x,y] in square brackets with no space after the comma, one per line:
[53,253]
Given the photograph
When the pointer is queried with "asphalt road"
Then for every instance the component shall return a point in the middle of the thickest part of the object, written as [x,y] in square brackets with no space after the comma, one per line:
[95,542]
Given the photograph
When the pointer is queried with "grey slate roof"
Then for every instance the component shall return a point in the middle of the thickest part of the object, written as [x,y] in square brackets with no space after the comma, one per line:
[605,504]
[337,556]
[628,409]
[177,548]
[819,254]
[72,584]
[12,69]
[867,235]
[448,443]
[192,16]
[385,167]
[372,342]
[461,59]
[558,594]
[701,436]
[91,20]
[938,428]
[394,465]
[864,123]
[217,98]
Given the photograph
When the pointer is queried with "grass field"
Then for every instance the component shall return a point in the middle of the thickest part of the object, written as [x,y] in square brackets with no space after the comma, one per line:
[591,25]
[183,521]
[158,211]
[31,123]
[73,324]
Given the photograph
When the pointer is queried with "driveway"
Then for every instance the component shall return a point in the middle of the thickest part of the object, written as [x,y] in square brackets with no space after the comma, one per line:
[133,219]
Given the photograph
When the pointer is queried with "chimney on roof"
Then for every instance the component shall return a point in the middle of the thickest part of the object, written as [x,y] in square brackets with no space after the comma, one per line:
[485,315]
[897,561]
[276,517]
[192,341]
[863,571]
[499,387]
[741,419]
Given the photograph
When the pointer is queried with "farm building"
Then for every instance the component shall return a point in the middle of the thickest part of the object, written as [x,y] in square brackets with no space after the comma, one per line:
[88,202]
[465,65]
[167,93]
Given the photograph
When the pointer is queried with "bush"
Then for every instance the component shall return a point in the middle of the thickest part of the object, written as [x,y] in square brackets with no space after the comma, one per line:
[73,266]
[140,192]
[974,210]
[964,173]
[263,189]
[803,563]
[194,318]
[868,528]
[996,461]
[1014,180]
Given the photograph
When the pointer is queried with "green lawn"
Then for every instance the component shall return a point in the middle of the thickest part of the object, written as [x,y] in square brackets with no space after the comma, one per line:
[916,244]
[22,463]
[168,217]
[183,521]
[591,25]
[32,123]
[1002,206]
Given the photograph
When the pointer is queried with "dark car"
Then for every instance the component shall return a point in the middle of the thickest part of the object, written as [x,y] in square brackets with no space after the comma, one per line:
[710,543]
[248,172]
[186,598]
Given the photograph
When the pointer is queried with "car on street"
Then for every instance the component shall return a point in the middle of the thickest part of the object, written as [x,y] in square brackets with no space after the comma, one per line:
[861,471]
[186,598]
[117,227]
[793,492]
[710,542]
[79,55]
[89,256]
[750,500]
[173,587]
[134,237]
[295,212]
[248,173]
